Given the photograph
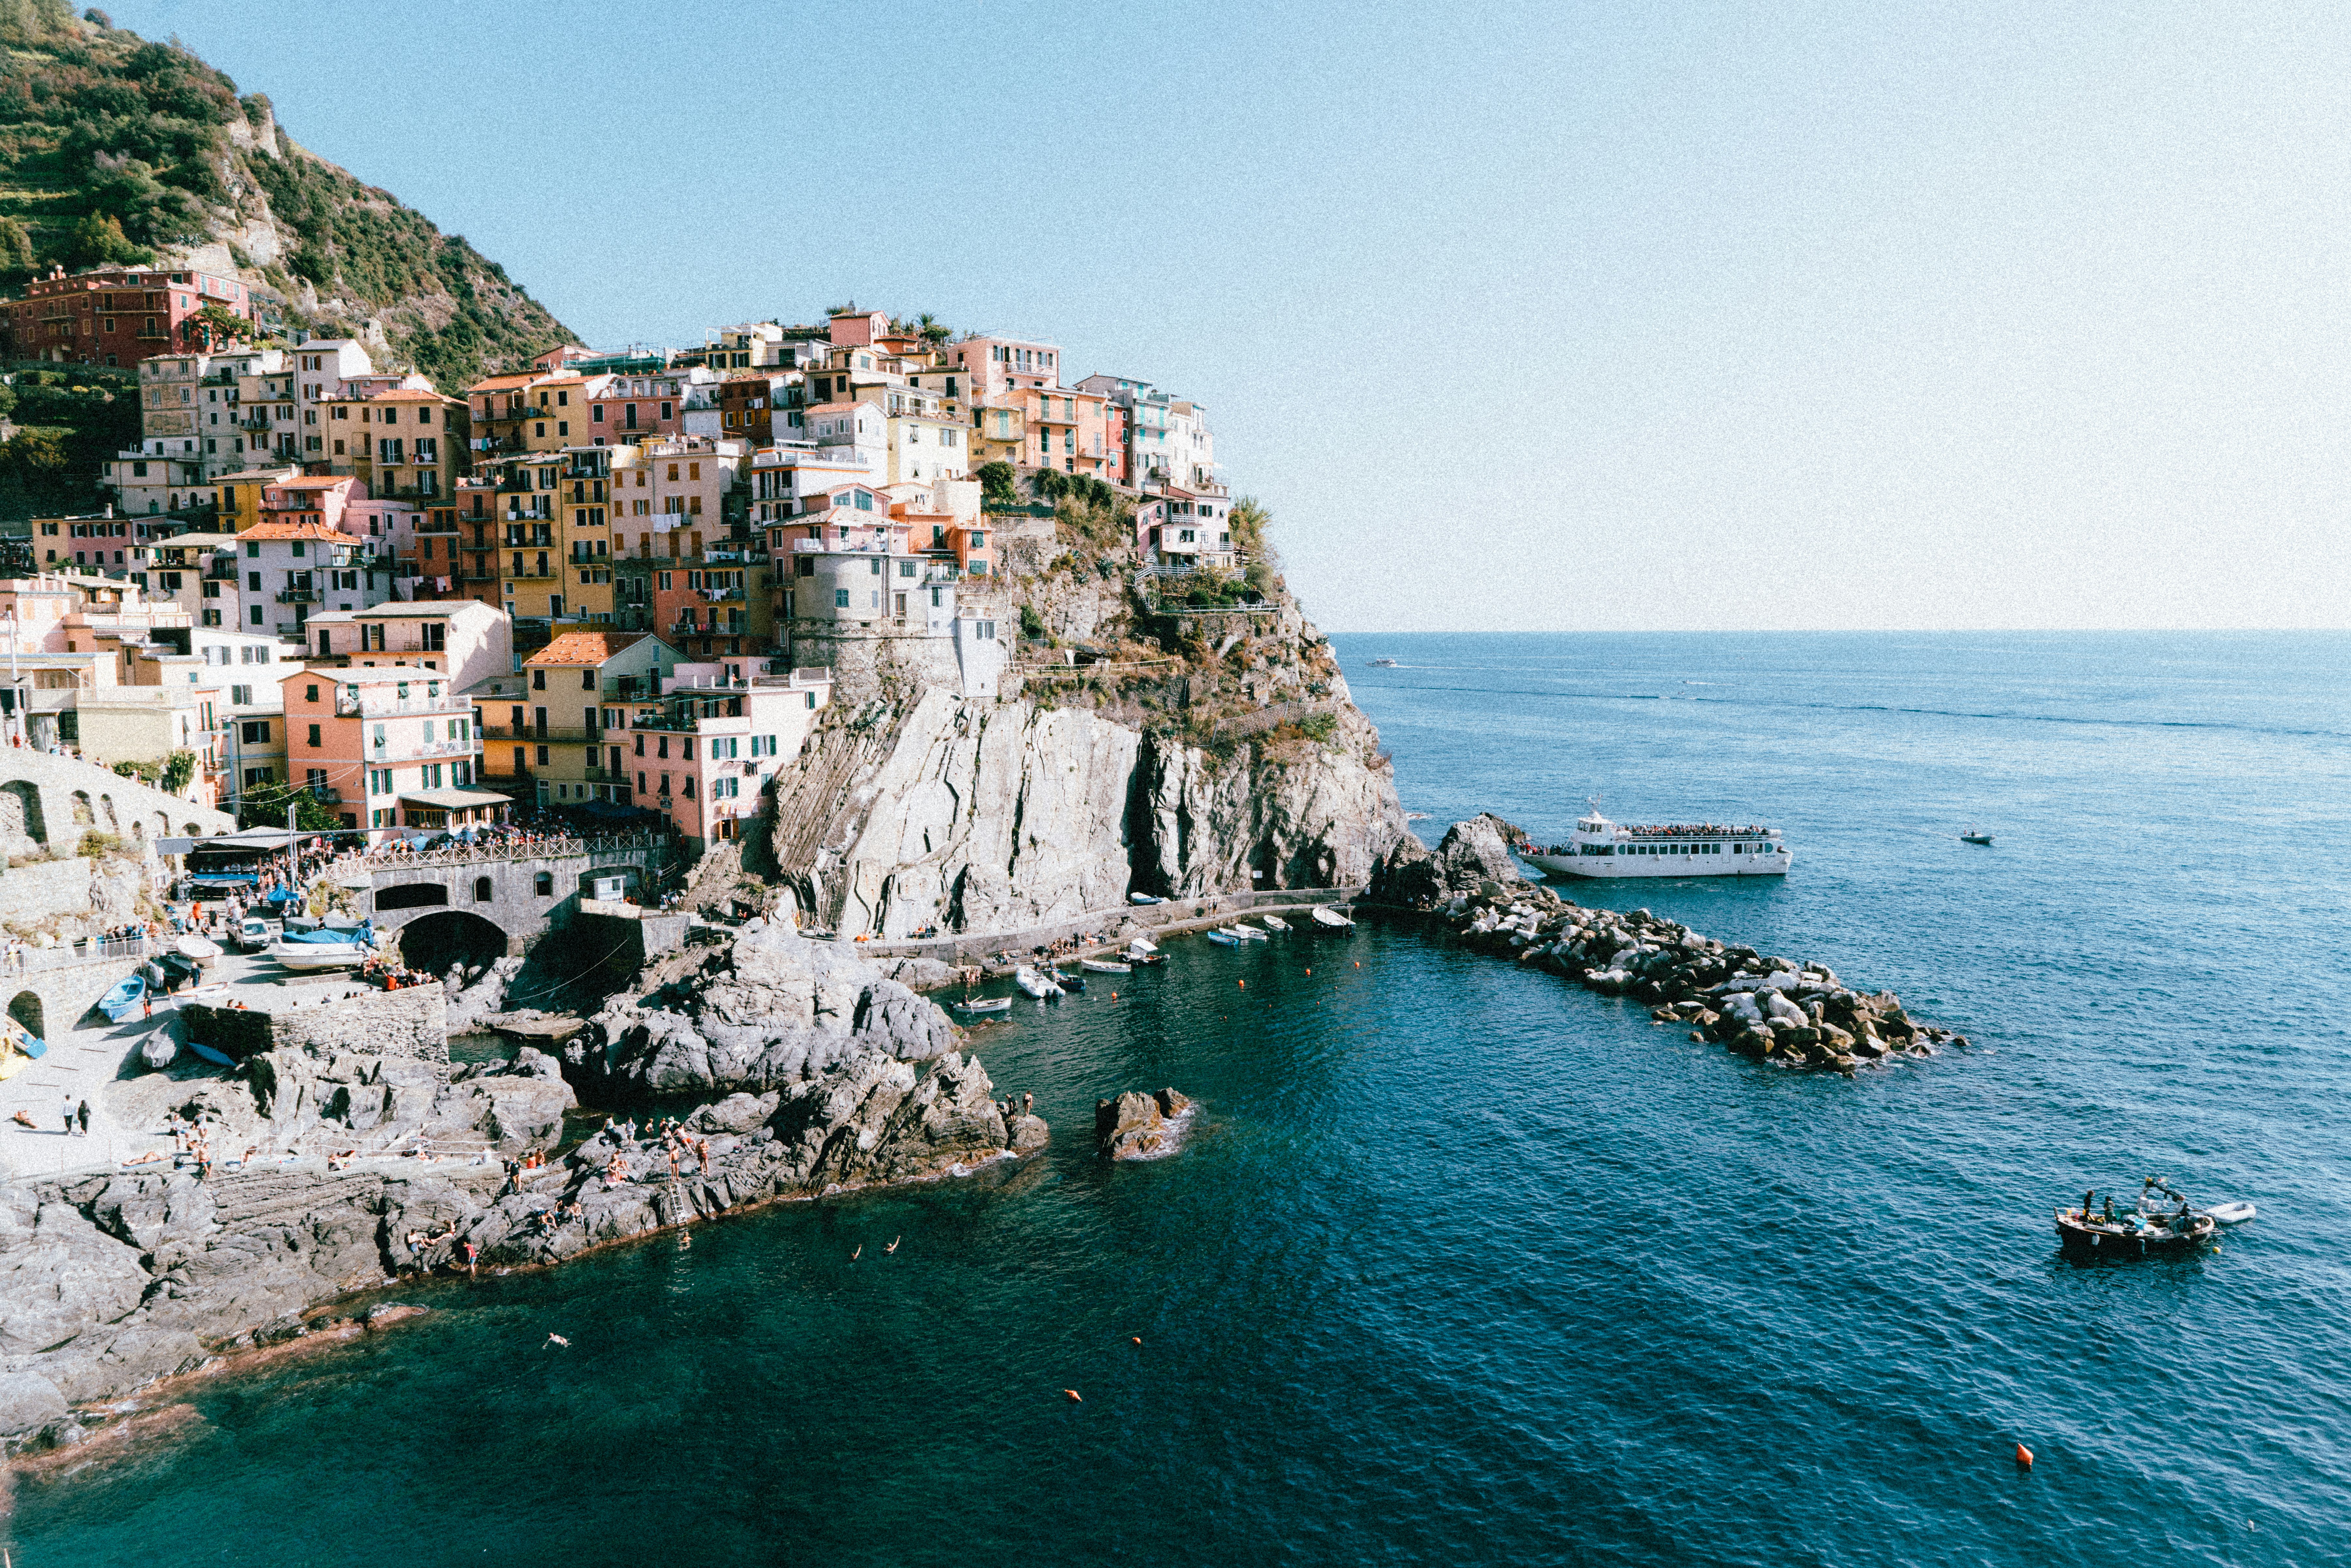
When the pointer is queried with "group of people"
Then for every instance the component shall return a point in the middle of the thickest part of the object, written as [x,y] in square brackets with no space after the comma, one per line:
[390,975]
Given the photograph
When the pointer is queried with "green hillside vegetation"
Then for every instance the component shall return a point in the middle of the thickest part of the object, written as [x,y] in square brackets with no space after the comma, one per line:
[114,149]
[70,420]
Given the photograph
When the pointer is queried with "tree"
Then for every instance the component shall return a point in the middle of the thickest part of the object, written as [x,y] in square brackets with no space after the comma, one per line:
[264,806]
[996,482]
[32,456]
[97,240]
[214,324]
[17,262]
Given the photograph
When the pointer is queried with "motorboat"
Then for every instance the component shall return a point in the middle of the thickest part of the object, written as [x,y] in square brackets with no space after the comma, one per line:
[1224,940]
[1274,921]
[1035,984]
[122,1001]
[324,949]
[1140,956]
[1248,933]
[986,1005]
[1066,982]
[1330,919]
[1106,965]
[2151,1225]
[1144,898]
[1141,944]
[1383,663]
[1607,850]
[2231,1213]
[1975,836]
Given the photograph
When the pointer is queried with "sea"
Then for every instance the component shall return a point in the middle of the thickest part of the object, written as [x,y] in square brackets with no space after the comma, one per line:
[1461,1263]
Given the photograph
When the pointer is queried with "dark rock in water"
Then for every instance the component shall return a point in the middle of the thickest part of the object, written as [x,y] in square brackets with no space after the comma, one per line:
[1135,1125]
[1471,855]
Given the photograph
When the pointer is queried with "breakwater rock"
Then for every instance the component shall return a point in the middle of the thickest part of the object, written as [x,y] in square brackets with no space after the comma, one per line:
[1136,1126]
[768,1010]
[1797,1015]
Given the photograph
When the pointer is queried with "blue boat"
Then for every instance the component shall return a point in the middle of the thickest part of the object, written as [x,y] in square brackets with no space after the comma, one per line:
[1224,940]
[123,1000]
[218,1058]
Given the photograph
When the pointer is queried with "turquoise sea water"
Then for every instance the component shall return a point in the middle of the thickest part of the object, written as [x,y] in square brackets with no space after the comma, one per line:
[1465,1264]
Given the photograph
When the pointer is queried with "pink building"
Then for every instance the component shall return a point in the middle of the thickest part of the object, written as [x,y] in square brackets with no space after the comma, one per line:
[623,409]
[707,757]
[323,499]
[998,365]
[391,746]
[855,328]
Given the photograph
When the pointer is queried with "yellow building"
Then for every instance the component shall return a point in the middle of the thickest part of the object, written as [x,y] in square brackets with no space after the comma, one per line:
[583,510]
[240,496]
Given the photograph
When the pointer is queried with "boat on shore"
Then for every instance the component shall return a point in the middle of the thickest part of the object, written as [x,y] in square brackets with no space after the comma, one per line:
[1144,898]
[123,998]
[1603,851]
[2148,1225]
[1331,922]
[1035,983]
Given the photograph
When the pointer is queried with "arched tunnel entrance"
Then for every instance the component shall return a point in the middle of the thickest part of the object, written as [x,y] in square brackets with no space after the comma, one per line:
[26,1011]
[434,941]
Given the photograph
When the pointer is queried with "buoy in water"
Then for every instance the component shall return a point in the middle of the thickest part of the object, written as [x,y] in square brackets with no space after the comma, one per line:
[1073,1393]
[1244,984]
[1135,1339]
[2024,1458]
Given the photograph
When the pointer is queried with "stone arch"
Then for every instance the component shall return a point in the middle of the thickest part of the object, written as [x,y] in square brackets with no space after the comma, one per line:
[162,826]
[20,815]
[484,890]
[26,1008]
[81,813]
[106,804]
[190,831]
[434,941]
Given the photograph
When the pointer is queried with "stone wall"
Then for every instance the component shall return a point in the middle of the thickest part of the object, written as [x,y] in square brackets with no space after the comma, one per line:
[44,888]
[50,801]
[410,1023]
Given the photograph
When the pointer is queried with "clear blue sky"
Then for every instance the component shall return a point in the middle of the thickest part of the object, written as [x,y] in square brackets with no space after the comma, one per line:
[1545,316]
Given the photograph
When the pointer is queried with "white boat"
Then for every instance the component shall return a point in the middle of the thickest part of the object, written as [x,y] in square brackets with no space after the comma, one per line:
[1250,932]
[1224,940]
[320,955]
[1144,898]
[1141,944]
[1105,967]
[197,947]
[1330,919]
[1035,984]
[1605,850]
[1383,663]
[2231,1213]
[986,1005]
[1274,921]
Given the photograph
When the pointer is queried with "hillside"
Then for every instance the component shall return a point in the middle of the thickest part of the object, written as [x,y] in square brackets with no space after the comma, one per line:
[116,148]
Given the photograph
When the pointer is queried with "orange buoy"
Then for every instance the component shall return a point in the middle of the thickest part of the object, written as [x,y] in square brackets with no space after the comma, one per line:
[1135,1339]
[1309,971]
[1074,1395]
[2023,1457]
[1242,983]
[1359,963]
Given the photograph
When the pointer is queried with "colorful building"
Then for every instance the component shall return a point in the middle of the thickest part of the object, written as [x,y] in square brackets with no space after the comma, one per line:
[391,746]
[113,316]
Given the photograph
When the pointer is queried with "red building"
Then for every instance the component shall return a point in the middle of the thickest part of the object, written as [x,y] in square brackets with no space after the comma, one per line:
[115,315]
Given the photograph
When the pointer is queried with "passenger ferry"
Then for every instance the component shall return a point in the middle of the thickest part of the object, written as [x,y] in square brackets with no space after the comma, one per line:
[1603,849]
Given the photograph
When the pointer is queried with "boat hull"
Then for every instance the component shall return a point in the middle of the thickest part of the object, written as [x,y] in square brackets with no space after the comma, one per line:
[2077,1236]
[320,955]
[1613,868]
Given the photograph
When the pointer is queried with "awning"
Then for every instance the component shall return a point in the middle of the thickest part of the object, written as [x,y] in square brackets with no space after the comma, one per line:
[251,838]
[455,800]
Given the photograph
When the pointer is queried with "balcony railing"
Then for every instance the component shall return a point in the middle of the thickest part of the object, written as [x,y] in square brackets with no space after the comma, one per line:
[301,596]
[408,751]
[449,704]
[572,733]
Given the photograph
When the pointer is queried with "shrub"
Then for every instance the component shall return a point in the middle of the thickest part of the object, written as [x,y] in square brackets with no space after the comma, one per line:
[1031,623]
[95,844]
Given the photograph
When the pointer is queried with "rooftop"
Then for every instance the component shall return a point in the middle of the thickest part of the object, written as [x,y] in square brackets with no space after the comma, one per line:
[585,647]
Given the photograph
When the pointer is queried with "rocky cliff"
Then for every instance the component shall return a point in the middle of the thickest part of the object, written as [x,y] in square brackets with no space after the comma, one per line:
[1138,744]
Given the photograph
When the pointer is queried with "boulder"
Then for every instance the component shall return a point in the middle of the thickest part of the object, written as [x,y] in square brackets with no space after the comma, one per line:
[1137,1126]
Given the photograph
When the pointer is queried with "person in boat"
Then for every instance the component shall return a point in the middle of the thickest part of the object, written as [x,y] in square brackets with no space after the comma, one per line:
[2110,1208]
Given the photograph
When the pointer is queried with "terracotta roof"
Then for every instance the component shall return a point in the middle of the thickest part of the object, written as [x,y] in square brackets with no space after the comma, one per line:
[585,647]
[406,394]
[501,383]
[302,530]
[314,482]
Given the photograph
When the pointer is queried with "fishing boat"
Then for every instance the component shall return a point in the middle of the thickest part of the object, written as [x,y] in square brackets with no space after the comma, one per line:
[1224,940]
[1144,956]
[122,1001]
[1144,898]
[1106,965]
[986,1005]
[1975,836]
[1248,933]
[1329,919]
[1075,983]
[1274,921]
[324,949]
[1035,984]
[2148,1225]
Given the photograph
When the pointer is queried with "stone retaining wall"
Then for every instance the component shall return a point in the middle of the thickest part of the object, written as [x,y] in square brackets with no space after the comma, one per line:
[412,1023]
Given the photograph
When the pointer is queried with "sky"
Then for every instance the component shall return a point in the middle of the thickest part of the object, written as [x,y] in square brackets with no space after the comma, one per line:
[1529,318]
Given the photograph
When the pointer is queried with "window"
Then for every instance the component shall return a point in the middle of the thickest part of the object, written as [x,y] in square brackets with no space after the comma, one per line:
[314,734]
[587,680]
[481,890]
[840,599]
[538,680]
[543,885]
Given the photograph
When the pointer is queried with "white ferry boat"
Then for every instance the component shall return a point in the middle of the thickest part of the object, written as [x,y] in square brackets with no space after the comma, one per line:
[1603,849]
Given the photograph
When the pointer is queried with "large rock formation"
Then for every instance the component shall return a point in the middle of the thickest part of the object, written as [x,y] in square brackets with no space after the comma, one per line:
[1136,1126]
[768,1010]
[1471,855]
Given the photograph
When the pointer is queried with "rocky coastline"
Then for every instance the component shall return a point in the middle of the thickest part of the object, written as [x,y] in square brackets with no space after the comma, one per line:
[1792,1014]
[779,1069]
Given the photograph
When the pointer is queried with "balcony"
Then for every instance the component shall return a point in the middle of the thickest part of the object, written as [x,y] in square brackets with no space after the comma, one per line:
[301,596]
[568,734]
[325,793]
[447,704]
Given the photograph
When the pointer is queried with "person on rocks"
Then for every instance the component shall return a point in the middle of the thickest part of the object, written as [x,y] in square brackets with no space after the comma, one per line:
[702,1152]
[473,1258]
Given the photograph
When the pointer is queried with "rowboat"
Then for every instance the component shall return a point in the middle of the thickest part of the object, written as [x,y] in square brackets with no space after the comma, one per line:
[124,999]
[1250,932]
[1224,940]
[986,1005]
[1274,921]
[1106,966]
[158,1051]
[203,950]
[2150,1226]
[1144,898]
[296,954]
[1330,919]
[1035,984]
[218,1058]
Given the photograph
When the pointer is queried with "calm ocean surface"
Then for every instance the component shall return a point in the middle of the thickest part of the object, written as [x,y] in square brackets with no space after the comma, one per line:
[1466,1264]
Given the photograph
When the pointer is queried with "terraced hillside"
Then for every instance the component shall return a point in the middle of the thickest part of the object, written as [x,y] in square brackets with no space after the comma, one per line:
[116,149]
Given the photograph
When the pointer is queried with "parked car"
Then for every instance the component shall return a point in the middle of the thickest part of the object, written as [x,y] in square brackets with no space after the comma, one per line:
[258,932]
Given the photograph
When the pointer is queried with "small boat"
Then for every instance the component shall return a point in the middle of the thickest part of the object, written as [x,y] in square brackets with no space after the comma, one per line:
[2148,1226]
[1224,940]
[1066,982]
[1144,898]
[1330,919]
[1274,921]
[305,952]
[1383,663]
[2229,1213]
[1975,836]
[1144,955]
[157,1050]
[218,1058]
[1106,966]
[1248,933]
[1035,984]
[123,1000]
[1141,944]
[986,1005]
[202,949]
